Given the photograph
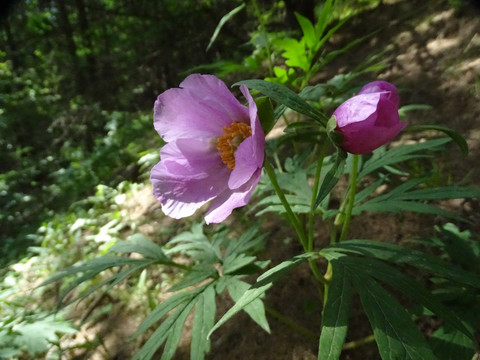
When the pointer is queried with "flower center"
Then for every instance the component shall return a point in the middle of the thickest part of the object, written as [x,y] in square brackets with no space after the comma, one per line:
[228,143]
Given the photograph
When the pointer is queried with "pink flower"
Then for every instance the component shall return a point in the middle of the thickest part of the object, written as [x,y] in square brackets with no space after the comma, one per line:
[214,151]
[369,119]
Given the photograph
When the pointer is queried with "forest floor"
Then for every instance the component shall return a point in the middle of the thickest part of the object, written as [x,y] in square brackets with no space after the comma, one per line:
[433,56]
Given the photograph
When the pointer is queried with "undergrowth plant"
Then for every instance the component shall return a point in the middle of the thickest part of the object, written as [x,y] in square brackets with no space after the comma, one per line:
[215,153]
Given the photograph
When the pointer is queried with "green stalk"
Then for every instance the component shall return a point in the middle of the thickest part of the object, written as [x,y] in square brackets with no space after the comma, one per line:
[351,198]
[316,185]
[292,217]
[289,322]
[263,29]
[356,343]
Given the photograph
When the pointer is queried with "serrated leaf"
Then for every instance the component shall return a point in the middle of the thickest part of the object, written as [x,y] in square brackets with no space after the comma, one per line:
[263,283]
[396,335]
[335,314]
[256,309]
[294,52]
[203,321]
[284,95]
[307,29]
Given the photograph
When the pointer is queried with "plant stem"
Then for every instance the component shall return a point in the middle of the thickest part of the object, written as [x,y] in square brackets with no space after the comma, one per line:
[263,30]
[292,217]
[351,197]
[356,343]
[287,321]
[316,184]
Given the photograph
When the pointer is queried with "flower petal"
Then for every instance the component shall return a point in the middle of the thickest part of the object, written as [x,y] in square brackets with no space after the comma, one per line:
[375,131]
[357,109]
[223,205]
[245,164]
[201,109]
[213,91]
[189,175]
[389,90]
[257,131]
[250,153]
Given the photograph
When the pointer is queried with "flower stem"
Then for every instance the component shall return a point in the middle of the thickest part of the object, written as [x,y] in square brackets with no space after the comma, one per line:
[263,30]
[316,184]
[351,197]
[356,343]
[292,217]
[289,322]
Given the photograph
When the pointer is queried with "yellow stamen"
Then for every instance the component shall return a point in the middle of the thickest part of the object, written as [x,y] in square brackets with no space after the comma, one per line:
[228,143]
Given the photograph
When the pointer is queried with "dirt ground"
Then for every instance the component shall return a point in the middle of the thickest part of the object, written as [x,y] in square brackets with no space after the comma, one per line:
[433,56]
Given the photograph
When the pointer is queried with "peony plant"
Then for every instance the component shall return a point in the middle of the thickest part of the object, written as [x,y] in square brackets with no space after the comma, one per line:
[215,152]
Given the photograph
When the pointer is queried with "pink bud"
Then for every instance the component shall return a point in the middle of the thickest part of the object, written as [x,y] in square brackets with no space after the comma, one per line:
[369,119]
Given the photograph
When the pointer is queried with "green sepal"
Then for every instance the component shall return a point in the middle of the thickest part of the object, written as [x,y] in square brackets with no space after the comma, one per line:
[265,113]
[334,136]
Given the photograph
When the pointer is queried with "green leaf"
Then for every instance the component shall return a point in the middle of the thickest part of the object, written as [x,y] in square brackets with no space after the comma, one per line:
[324,18]
[203,321]
[294,53]
[332,177]
[92,268]
[256,309]
[139,244]
[401,255]
[399,206]
[263,283]
[249,240]
[440,193]
[335,314]
[170,330]
[455,136]
[396,335]
[407,286]
[222,22]
[308,30]
[284,95]
[458,246]
[196,275]
[448,343]
[265,113]
[381,158]
[236,261]
[36,337]
[165,307]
